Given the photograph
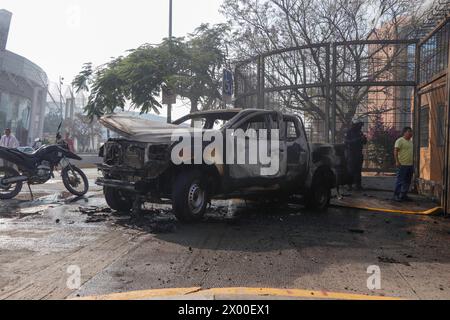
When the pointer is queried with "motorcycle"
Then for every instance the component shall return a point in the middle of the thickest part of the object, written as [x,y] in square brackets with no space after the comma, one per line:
[37,168]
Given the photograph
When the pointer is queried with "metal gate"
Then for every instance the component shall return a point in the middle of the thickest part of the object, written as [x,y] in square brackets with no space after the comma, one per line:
[431,116]
[331,84]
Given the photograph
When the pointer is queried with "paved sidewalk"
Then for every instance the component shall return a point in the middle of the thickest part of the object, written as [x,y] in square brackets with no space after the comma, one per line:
[377,196]
[382,182]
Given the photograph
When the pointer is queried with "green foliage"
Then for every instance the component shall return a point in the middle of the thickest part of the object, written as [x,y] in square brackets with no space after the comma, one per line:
[82,128]
[192,67]
[51,122]
[83,79]
[381,143]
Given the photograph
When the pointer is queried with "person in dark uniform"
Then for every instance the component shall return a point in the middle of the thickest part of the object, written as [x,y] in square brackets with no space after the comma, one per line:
[354,145]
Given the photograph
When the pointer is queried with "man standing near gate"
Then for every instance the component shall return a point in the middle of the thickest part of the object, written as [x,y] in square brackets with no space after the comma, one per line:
[354,145]
[404,159]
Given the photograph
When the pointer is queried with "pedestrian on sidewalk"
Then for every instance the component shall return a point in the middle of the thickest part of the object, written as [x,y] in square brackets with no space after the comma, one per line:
[9,141]
[70,143]
[404,160]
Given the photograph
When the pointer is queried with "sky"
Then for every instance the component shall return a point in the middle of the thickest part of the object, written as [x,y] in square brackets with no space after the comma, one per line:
[61,35]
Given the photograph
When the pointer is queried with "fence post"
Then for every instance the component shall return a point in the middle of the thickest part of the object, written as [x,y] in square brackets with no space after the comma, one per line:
[236,89]
[261,92]
[334,95]
[446,182]
[416,116]
[328,92]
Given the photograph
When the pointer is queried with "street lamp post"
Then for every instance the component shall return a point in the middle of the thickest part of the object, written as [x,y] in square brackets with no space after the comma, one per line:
[169,106]
[61,83]
[170,19]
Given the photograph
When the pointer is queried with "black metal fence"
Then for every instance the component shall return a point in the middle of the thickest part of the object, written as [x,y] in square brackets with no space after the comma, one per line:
[331,84]
[434,54]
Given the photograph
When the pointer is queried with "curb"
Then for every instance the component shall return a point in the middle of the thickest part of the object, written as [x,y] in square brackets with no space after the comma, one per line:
[197,292]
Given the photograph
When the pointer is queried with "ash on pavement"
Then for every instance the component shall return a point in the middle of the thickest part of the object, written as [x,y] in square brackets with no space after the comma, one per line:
[238,244]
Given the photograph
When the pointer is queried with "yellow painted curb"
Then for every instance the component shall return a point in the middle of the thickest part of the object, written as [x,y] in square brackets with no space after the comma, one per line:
[254,292]
[143,294]
[383,210]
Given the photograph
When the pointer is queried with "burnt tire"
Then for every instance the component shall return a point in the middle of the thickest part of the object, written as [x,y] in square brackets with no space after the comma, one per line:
[73,177]
[8,192]
[319,196]
[118,200]
[189,196]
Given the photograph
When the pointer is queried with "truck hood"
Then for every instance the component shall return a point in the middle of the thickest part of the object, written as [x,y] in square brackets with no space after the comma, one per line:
[141,130]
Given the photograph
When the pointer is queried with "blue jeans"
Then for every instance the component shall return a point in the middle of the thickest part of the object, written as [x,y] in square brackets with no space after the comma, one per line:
[404,178]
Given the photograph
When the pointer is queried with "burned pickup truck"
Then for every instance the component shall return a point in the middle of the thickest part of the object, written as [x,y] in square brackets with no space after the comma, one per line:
[227,154]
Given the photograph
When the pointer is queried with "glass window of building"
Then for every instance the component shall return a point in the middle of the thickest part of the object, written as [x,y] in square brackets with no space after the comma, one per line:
[15,112]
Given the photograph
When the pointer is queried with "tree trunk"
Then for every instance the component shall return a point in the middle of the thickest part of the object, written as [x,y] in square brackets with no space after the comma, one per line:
[194,105]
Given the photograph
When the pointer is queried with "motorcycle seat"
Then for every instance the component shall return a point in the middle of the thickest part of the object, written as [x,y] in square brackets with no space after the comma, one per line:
[23,154]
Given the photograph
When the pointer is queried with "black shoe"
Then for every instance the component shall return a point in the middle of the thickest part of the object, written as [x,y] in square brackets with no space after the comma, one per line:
[397,199]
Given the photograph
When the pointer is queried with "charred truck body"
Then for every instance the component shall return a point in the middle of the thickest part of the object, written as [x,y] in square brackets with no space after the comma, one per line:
[140,167]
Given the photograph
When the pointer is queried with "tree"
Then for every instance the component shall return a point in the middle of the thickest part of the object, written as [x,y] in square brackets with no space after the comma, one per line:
[200,64]
[51,121]
[84,130]
[192,67]
[381,143]
[261,26]
[83,80]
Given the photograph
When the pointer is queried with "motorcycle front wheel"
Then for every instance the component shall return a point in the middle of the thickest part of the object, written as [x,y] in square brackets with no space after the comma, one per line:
[75,181]
[9,191]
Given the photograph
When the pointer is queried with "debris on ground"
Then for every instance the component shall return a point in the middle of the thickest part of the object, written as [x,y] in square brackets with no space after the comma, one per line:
[21,209]
[95,214]
[384,259]
[90,211]
[358,231]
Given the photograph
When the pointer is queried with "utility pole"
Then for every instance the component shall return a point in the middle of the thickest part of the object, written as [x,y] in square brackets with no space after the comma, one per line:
[60,84]
[169,106]
[61,99]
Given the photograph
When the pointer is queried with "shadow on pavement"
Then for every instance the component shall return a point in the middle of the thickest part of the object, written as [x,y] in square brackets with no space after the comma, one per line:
[393,238]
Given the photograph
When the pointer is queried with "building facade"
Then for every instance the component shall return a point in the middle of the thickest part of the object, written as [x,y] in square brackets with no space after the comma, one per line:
[23,90]
[431,113]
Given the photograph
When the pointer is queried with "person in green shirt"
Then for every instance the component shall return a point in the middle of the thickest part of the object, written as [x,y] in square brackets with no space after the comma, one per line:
[404,160]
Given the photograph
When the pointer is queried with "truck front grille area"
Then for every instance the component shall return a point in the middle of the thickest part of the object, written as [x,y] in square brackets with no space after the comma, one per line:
[124,153]
[113,154]
[135,156]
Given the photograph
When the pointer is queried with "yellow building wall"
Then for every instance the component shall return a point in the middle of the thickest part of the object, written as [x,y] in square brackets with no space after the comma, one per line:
[432,157]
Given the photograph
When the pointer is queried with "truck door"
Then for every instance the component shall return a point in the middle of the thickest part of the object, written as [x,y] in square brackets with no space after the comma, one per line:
[297,149]
[250,175]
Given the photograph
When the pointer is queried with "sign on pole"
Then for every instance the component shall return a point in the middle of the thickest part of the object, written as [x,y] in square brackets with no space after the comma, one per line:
[227,90]
[168,95]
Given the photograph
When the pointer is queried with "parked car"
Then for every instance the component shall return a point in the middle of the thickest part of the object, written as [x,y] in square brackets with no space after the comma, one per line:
[139,167]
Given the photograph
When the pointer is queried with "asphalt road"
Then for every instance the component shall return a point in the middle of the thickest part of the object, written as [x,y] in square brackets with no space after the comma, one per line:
[237,245]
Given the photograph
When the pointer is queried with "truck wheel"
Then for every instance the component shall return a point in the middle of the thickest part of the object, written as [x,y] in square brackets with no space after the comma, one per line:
[189,196]
[118,200]
[318,198]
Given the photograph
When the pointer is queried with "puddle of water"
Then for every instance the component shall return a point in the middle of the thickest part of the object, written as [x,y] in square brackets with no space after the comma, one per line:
[22,208]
